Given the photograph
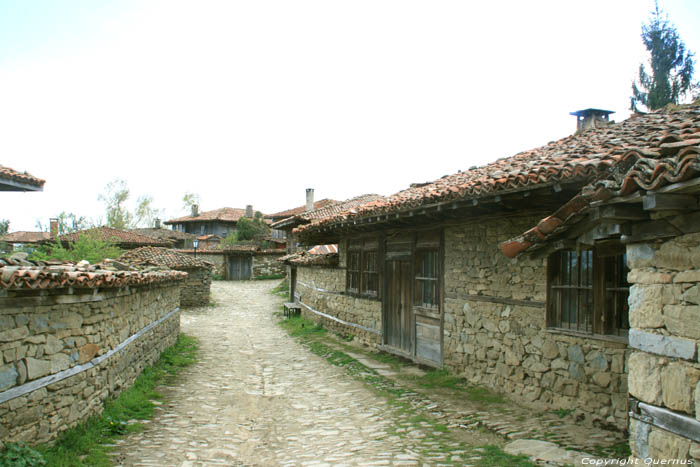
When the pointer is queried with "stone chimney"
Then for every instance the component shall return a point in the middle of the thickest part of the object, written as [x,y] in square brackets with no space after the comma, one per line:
[591,118]
[157,223]
[195,210]
[249,211]
[53,227]
[309,199]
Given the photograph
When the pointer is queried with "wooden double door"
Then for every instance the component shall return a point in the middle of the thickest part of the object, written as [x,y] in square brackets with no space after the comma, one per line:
[240,267]
[412,305]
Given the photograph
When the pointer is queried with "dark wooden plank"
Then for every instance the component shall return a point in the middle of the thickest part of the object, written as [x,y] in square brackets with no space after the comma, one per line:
[652,230]
[679,424]
[618,212]
[669,201]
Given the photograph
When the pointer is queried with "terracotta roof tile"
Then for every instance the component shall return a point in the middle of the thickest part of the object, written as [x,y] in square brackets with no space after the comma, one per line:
[158,256]
[25,237]
[301,209]
[116,236]
[586,156]
[307,259]
[331,210]
[221,215]
[7,173]
[164,234]
[22,275]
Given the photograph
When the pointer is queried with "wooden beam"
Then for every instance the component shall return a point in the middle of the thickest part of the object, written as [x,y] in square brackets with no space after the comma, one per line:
[686,223]
[651,230]
[602,231]
[679,424]
[668,201]
[618,213]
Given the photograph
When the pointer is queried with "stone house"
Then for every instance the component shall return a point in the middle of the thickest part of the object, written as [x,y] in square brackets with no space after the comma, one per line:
[219,222]
[195,290]
[452,273]
[175,238]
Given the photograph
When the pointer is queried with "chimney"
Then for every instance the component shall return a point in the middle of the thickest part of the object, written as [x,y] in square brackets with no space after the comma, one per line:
[249,211]
[195,210]
[309,199]
[157,223]
[591,118]
[53,227]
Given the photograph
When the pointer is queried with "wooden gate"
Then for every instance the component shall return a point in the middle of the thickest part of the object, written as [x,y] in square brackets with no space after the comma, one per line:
[239,267]
[399,318]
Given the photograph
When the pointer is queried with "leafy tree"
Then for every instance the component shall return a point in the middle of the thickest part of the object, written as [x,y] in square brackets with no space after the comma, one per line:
[4,226]
[88,247]
[231,239]
[145,213]
[115,196]
[671,65]
[189,200]
[252,229]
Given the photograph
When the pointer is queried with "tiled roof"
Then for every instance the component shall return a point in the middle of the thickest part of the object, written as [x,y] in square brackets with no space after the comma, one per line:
[164,234]
[22,275]
[25,237]
[671,155]
[582,157]
[328,211]
[299,210]
[323,249]
[9,174]
[307,259]
[158,256]
[221,215]
[116,236]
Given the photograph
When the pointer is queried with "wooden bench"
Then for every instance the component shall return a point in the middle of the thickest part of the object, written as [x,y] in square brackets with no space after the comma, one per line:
[291,309]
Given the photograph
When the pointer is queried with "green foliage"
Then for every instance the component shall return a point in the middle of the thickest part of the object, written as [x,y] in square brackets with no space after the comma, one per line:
[86,444]
[115,197]
[268,277]
[145,213]
[443,379]
[4,226]
[252,229]
[20,455]
[563,412]
[671,65]
[217,277]
[496,457]
[88,247]
[231,239]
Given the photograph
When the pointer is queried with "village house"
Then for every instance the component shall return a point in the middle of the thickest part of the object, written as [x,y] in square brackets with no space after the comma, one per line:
[176,238]
[195,290]
[280,221]
[221,222]
[124,239]
[599,297]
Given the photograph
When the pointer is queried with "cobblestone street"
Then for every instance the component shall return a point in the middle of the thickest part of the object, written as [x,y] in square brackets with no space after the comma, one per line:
[257,397]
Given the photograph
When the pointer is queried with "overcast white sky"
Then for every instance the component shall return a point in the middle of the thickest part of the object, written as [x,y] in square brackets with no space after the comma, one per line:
[252,102]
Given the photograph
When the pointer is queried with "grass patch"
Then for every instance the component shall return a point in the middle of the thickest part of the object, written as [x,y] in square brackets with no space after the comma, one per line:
[493,456]
[619,450]
[303,328]
[561,413]
[269,277]
[282,289]
[443,379]
[86,444]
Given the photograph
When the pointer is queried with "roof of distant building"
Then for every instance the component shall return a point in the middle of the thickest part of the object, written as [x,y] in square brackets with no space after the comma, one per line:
[218,215]
[11,180]
[301,209]
[158,256]
[25,237]
[116,236]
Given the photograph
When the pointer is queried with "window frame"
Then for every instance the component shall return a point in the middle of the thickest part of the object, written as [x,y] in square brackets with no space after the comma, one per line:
[358,262]
[420,279]
[607,290]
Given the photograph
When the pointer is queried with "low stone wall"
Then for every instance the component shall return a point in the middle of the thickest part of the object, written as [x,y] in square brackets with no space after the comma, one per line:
[196,289]
[218,259]
[321,294]
[495,329]
[664,371]
[57,369]
[266,264]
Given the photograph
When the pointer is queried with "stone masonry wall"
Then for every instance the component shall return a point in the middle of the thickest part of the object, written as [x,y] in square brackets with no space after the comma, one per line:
[495,329]
[218,260]
[665,333]
[195,290]
[42,334]
[266,264]
[323,289]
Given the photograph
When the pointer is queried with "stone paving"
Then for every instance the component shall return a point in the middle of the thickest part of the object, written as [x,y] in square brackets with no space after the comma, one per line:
[259,398]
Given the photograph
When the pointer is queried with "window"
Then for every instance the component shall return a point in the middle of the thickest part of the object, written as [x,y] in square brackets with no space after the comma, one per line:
[426,287]
[588,291]
[362,267]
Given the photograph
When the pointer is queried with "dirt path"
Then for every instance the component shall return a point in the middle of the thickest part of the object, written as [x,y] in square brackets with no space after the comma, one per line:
[257,397]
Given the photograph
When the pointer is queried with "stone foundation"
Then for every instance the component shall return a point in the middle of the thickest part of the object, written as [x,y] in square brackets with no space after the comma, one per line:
[495,330]
[196,289]
[322,289]
[59,336]
[665,332]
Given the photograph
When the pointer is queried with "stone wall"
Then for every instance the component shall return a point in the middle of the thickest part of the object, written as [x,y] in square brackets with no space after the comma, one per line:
[495,329]
[664,335]
[195,290]
[322,289]
[266,264]
[58,336]
[217,259]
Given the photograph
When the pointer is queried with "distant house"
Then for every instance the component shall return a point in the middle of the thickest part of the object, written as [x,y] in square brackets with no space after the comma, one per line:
[221,222]
[121,238]
[195,289]
[304,215]
[176,238]
[11,180]
[290,213]
[562,275]
[25,238]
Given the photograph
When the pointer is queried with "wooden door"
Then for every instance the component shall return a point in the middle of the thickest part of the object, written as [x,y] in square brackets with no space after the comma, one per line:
[398,316]
[239,267]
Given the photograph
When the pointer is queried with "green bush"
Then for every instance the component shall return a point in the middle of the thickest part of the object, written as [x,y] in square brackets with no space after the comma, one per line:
[20,455]
[88,247]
